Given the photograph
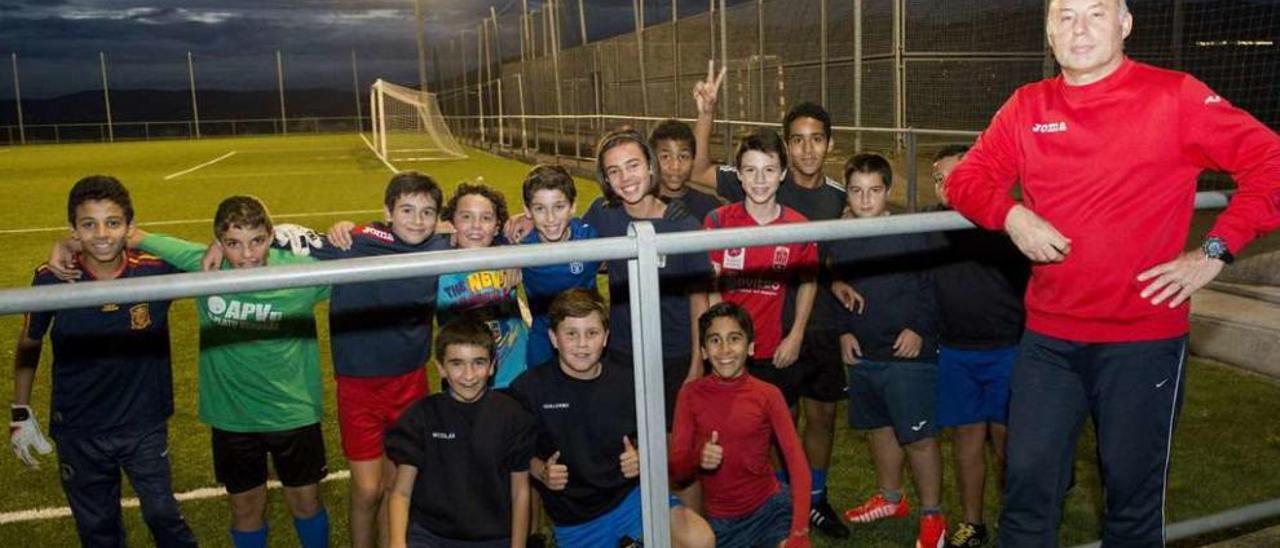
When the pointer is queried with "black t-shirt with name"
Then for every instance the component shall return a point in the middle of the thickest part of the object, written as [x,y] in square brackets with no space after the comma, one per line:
[980,282]
[585,420]
[465,454]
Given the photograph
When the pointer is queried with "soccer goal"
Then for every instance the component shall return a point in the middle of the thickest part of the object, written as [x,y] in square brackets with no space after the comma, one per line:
[408,127]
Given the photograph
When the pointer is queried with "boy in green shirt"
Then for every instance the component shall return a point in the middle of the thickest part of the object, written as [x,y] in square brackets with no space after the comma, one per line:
[259,375]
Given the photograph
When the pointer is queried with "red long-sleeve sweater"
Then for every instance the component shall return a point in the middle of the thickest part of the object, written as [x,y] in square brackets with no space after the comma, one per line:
[749,414]
[1113,166]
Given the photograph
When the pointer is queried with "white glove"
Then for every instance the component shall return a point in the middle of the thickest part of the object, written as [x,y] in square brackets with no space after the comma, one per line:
[24,435]
[300,239]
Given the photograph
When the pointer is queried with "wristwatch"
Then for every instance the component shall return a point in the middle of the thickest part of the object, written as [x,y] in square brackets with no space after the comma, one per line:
[1216,248]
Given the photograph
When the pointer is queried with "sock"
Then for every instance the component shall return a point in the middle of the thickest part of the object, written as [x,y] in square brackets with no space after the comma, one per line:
[819,477]
[891,495]
[781,474]
[930,510]
[313,532]
[249,539]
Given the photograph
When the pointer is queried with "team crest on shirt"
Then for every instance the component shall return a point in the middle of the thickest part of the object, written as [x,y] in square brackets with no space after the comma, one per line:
[781,255]
[110,307]
[736,258]
[576,267]
[139,316]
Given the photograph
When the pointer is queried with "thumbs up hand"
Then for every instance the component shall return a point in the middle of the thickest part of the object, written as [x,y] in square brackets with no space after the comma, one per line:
[555,475]
[629,460]
[712,452]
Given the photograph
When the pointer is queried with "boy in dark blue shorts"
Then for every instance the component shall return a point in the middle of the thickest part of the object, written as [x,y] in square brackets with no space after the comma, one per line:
[891,350]
[112,381]
[462,457]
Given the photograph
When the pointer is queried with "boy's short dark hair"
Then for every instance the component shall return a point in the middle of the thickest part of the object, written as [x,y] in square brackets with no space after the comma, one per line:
[673,130]
[870,164]
[465,330]
[548,177]
[245,212]
[615,139]
[807,109]
[99,187]
[408,183]
[577,302]
[949,151]
[496,198]
[762,140]
[725,309]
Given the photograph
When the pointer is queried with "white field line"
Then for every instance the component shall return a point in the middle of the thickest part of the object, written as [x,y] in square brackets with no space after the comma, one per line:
[198,221]
[40,514]
[375,154]
[206,164]
[270,174]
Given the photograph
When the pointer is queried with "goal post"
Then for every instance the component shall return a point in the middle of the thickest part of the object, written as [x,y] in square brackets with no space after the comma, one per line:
[407,126]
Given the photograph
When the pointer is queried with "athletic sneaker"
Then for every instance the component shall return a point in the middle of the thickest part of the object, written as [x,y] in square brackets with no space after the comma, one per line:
[823,518]
[877,508]
[968,535]
[933,532]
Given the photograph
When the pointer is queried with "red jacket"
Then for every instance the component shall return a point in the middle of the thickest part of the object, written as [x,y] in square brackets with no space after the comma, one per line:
[1113,166]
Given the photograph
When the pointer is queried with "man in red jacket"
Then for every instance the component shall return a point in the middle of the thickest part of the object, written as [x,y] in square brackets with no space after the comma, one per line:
[1107,154]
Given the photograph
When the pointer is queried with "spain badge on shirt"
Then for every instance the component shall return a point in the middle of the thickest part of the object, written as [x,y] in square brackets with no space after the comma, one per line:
[139,317]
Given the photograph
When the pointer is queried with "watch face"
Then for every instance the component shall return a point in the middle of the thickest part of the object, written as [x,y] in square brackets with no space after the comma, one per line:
[1215,248]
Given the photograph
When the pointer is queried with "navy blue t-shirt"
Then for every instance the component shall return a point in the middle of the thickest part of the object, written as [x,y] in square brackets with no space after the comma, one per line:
[381,328]
[679,275]
[111,366]
[543,283]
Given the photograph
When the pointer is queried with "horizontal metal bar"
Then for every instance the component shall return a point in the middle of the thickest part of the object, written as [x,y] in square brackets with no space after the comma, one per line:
[1234,517]
[83,294]
[747,123]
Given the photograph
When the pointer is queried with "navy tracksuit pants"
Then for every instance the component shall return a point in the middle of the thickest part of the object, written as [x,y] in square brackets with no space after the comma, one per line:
[90,469]
[1133,392]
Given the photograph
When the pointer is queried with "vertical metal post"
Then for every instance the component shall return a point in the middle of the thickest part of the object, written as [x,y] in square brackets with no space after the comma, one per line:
[646,343]
[526,32]
[760,55]
[524,129]
[1175,39]
[466,88]
[711,30]
[195,107]
[1050,65]
[284,120]
[675,58]
[899,68]
[419,24]
[857,72]
[597,83]
[480,68]
[554,8]
[637,7]
[822,51]
[582,23]
[910,160]
[382,121]
[724,60]
[355,88]
[17,100]
[106,95]
[502,121]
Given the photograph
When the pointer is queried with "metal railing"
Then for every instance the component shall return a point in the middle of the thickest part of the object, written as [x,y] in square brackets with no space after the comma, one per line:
[175,129]
[642,249]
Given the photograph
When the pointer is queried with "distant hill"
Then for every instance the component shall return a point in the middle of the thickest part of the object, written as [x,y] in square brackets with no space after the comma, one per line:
[130,105]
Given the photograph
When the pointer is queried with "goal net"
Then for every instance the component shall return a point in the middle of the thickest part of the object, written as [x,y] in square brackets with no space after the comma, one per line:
[408,126]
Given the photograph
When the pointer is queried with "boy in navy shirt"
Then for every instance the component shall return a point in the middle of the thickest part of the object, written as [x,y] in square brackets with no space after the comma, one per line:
[112,381]
[673,142]
[462,457]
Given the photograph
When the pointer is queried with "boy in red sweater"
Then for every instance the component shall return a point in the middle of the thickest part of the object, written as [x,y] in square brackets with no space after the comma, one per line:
[1107,155]
[724,426]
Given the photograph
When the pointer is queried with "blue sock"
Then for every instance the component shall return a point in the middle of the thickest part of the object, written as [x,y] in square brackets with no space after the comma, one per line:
[781,474]
[313,532]
[819,477]
[250,539]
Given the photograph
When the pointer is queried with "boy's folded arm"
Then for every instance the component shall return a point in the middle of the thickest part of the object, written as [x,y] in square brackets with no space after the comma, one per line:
[180,253]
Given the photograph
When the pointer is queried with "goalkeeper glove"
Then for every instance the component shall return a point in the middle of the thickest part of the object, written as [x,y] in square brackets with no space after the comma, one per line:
[24,435]
[299,239]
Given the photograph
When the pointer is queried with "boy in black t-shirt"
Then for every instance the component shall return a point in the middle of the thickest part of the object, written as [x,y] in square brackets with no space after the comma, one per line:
[585,460]
[673,142]
[462,456]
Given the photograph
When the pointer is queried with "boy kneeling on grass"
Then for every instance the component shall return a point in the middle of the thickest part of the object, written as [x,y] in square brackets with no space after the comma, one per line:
[724,427]
[462,457]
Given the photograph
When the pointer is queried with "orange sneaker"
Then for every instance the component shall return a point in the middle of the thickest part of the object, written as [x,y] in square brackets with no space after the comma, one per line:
[933,532]
[876,508]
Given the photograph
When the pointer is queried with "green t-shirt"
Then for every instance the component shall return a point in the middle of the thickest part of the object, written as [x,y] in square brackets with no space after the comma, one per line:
[259,360]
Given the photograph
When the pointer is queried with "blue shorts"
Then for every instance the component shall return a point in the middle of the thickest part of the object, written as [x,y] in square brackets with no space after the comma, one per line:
[973,385]
[900,394]
[767,526]
[605,530]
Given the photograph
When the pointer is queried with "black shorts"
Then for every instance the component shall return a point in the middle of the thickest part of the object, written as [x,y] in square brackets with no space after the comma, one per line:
[902,395]
[787,379]
[674,371]
[824,378]
[240,458]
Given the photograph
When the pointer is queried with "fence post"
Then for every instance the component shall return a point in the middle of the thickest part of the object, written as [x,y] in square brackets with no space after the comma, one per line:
[17,101]
[899,67]
[637,7]
[524,129]
[195,109]
[911,171]
[675,58]
[106,95]
[554,17]
[822,51]
[284,119]
[646,341]
[857,72]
